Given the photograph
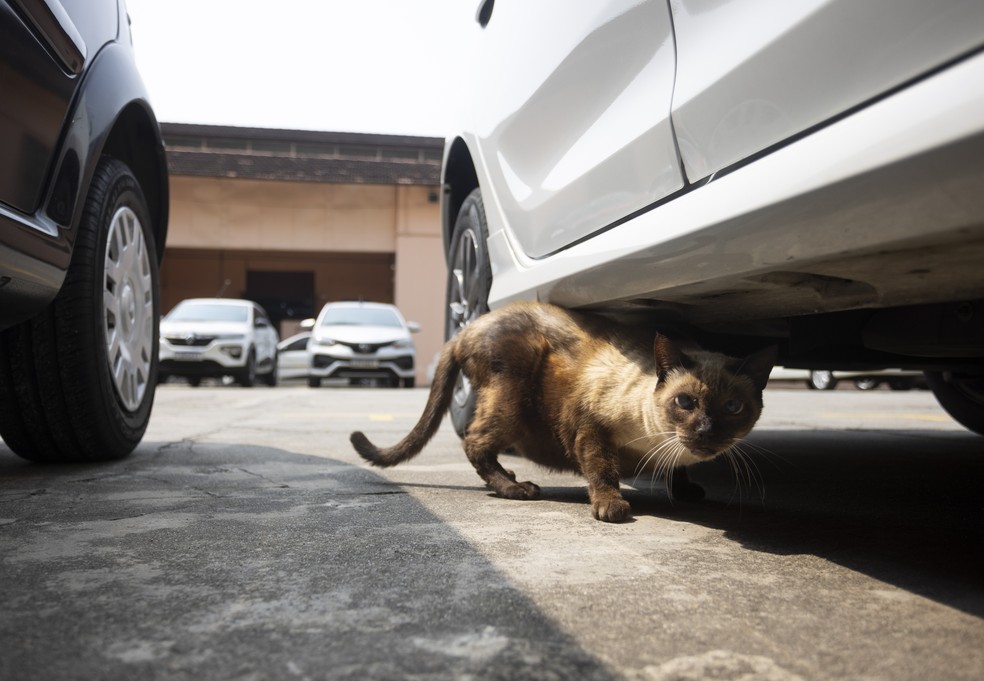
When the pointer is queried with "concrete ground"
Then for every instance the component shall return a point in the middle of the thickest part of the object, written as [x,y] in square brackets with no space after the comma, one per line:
[245,540]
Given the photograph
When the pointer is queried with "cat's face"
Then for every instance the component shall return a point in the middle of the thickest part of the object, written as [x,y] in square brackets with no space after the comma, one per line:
[708,400]
[708,413]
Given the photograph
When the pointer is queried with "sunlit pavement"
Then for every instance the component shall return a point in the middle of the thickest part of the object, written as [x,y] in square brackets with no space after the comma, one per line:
[245,540]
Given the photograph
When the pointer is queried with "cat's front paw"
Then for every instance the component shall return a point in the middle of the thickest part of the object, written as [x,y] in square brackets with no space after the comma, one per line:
[611,510]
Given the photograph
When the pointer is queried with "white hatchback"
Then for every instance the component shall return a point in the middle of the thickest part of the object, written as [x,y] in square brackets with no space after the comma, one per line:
[804,173]
[216,337]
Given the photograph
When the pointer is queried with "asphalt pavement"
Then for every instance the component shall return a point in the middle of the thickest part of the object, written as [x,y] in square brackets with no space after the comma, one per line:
[244,539]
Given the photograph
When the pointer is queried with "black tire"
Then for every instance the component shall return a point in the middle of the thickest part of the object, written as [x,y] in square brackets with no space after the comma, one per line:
[821,380]
[77,382]
[194,381]
[962,396]
[901,383]
[271,378]
[469,279]
[314,382]
[247,376]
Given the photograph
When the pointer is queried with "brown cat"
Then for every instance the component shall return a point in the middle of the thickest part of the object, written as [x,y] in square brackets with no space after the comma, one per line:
[577,392]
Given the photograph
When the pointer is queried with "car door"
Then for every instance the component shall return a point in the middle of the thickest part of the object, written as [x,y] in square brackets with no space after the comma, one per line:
[294,359]
[573,118]
[41,58]
[265,334]
[754,73]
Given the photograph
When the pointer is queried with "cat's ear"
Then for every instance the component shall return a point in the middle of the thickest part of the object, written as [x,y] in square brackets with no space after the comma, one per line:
[759,365]
[669,356]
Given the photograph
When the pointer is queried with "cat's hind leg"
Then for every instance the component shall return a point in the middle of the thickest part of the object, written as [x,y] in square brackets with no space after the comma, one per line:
[490,431]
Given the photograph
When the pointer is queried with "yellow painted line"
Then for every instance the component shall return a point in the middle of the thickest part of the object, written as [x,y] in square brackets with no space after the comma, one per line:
[348,416]
[883,415]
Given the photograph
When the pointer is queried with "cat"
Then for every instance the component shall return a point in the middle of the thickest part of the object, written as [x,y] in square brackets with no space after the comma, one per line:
[574,391]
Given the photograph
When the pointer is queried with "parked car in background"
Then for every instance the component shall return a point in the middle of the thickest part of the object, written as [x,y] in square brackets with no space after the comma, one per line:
[895,379]
[293,358]
[362,342]
[83,221]
[801,173]
[215,337]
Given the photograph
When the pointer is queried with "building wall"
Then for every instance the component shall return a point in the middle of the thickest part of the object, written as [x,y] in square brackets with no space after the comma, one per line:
[377,242]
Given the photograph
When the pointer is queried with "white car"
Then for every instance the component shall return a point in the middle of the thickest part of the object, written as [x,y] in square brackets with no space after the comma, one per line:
[203,337]
[823,379]
[362,342]
[807,173]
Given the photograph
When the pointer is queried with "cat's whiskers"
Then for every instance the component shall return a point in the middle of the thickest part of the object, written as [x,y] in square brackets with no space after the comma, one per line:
[745,468]
[660,456]
[667,457]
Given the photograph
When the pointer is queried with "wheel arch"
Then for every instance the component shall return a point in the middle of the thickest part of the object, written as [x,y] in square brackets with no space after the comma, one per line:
[459,179]
[112,116]
[136,128]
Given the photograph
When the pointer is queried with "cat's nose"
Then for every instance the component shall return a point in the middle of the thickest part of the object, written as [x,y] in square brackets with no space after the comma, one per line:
[704,426]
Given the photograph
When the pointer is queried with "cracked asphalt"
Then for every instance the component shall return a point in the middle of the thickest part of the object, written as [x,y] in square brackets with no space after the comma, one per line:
[245,540]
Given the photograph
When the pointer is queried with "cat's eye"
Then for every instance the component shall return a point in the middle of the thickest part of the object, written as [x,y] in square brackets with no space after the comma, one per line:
[733,406]
[685,402]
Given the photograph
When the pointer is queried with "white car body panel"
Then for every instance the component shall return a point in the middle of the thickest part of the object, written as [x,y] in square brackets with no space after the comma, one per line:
[793,65]
[293,358]
[772,216]
[565,146]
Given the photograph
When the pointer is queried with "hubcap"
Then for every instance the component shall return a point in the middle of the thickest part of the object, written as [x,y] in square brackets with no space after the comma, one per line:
[128,308]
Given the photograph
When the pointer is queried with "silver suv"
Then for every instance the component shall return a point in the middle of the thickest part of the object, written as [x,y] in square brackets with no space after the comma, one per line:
[215,337]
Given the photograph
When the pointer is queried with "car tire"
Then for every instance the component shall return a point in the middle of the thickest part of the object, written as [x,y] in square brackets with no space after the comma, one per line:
[271,378]
[77,381]
[314,382]
[962,396]
[247,377]
[409,382]
[821,380]
[469,279]
[866,383]
[902,383]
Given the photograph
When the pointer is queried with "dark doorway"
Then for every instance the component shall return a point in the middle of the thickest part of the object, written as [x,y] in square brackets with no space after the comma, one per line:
[284,295]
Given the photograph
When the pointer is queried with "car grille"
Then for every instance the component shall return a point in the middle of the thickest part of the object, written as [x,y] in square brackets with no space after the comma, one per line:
[366,348]
[191,340]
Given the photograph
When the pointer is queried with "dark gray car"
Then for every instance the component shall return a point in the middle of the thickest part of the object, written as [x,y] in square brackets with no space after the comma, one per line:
[83,220]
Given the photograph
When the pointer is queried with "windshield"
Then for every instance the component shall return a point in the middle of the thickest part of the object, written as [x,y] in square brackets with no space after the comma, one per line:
[360,316]
[209,312]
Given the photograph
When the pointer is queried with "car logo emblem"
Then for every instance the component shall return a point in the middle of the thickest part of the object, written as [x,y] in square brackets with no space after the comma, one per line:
[190,338]
[364,348]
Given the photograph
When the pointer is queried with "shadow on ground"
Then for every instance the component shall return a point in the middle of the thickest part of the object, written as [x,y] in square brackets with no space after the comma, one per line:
[237,562]
[904,507]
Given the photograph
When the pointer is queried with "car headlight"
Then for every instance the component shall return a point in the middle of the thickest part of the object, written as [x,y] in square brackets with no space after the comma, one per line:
[405,344]
[325,342]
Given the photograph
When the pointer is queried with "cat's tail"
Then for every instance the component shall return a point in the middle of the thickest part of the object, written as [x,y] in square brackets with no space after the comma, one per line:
[437,404]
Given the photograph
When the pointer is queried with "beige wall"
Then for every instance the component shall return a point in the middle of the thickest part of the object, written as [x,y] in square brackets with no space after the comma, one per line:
[220,227]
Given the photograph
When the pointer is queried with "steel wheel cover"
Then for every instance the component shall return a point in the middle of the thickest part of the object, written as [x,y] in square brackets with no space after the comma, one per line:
[128,308]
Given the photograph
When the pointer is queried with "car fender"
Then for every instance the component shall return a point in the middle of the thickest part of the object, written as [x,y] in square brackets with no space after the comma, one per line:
[112,110]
